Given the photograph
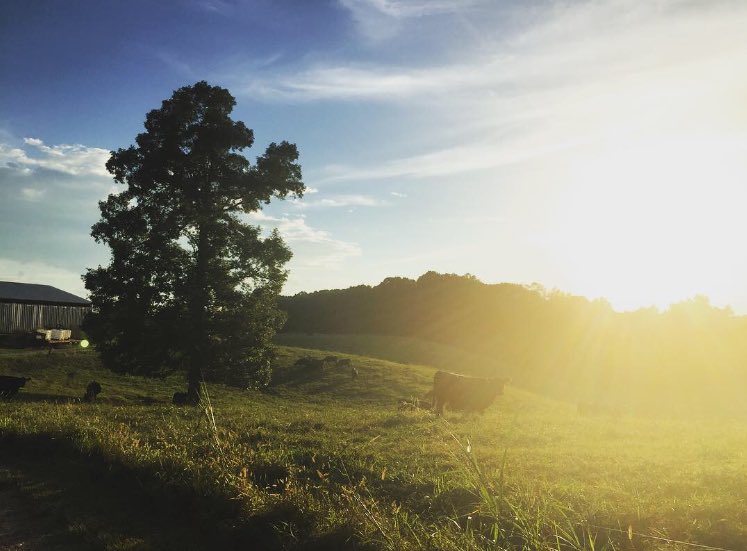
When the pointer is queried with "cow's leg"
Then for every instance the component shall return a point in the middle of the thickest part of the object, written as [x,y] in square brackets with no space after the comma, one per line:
[438,406]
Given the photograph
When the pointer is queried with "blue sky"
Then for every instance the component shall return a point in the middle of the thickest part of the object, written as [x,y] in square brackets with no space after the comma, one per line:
[597,147]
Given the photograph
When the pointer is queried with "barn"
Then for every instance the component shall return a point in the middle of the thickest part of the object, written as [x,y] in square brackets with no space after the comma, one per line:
[28,306]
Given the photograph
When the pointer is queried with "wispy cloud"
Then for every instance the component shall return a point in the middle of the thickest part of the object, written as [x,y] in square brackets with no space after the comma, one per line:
[359,82]
[474,156]
[176,64]
[215,6]
[572,75]
[378,20]
[337,201]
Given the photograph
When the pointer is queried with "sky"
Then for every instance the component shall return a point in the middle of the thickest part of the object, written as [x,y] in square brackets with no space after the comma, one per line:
[595,147]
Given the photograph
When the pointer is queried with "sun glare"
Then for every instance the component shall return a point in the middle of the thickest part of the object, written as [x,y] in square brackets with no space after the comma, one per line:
[654,222]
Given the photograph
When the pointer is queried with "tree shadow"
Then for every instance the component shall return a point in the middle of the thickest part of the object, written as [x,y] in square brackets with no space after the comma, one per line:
[31,397]
[117,502]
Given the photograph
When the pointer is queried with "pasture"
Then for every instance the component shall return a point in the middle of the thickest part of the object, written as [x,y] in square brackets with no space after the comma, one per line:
[320,460]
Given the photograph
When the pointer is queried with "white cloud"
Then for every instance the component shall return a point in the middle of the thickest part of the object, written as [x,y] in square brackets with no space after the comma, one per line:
[312,247]
[398,194]
[76,160]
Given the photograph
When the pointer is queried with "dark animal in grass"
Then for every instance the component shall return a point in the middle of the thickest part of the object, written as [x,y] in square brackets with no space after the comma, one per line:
[179,399]
[344,362]
[354,373]
[10,385]
[92,390]
[316,364]
[461,392]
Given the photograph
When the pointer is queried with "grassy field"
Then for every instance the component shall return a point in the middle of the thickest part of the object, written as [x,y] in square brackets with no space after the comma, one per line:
[324,461]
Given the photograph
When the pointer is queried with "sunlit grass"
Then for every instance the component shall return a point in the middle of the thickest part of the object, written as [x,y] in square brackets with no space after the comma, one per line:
[327,458]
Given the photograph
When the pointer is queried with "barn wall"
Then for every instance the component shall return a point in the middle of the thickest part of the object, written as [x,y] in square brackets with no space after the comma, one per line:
[27,317]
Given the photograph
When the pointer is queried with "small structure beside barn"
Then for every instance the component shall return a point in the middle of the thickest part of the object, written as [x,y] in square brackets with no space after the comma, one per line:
[26,307]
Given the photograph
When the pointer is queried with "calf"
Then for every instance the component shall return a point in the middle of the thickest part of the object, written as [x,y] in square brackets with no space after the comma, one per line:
[464,393]
[10,385]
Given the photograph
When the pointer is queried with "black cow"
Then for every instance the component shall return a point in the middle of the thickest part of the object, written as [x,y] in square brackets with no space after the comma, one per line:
[10,385]
[461,392]
[179,399]
[92,390]
[307,362]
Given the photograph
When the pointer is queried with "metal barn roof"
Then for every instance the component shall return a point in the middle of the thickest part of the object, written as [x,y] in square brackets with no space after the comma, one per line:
[31,292]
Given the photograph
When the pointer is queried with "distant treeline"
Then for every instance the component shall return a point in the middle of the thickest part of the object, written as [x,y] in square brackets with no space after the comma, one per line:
[691,357]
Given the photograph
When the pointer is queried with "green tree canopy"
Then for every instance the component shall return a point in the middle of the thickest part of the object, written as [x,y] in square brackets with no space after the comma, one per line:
[191,285]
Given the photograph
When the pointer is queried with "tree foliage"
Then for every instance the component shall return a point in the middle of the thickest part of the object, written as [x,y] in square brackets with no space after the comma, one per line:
[191,285]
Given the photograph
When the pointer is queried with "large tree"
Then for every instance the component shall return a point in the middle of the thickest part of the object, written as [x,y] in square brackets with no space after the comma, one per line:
[191,285]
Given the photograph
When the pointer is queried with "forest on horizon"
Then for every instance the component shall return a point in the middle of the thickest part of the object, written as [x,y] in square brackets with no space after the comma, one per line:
[688,359]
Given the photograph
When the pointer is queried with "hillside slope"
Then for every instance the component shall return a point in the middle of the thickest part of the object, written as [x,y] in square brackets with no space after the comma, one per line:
[688,359]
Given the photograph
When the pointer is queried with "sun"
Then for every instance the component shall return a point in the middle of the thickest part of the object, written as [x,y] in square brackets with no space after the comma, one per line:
[654,221]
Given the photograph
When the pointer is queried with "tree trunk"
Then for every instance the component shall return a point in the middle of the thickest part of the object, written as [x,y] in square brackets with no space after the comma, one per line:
[198,312]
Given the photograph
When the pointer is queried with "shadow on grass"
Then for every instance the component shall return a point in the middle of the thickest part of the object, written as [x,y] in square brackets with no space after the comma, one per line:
[40,397]
[114,505]
[29,397]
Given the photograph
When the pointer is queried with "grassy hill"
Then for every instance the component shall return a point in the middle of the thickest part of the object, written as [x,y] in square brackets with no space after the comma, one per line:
[324,461]
[406,350]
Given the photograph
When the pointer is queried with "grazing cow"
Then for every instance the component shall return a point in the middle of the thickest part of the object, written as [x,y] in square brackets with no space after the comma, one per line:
[344,362]
[10,385]
[461,392]
[92,390]
[179,399]
[307,362]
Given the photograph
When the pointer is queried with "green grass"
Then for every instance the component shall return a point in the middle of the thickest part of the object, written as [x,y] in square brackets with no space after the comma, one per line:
[325,461]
